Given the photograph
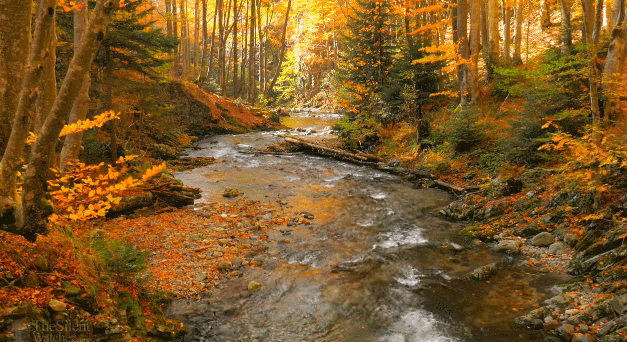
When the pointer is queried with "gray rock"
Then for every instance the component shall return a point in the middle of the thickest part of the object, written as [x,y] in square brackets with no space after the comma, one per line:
[582,338]
[200,277]
[483,272]
[543,239]
[612,326]
[565,332]
[508,246]
[56,305]
[558,248]
[562,300]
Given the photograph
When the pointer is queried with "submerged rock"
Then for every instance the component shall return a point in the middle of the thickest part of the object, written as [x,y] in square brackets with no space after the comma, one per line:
[483,272]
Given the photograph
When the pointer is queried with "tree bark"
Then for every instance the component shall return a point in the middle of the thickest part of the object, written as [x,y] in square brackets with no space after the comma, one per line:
[252,98]
[177,58]
[518,19]
[205,36]
[196,35]
[33,213]
[545,14]
[268,90]
[507,34]
[48,81]
[567,30]
[72,144]
[213,39]
[168,17]
[15,27]
[235,52]
[614,64]
[475,40]
[13,154]
[494,41]
[464,51]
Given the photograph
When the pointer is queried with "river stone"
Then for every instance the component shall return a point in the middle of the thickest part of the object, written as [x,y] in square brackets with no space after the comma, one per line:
[543,239]
[200,277]
[57,305]
[256,262]
[582,337]
[561,300]
[508,246]
[231,192]
[566,331]
[558,248]
[224,265]
[483,272]
[254,286]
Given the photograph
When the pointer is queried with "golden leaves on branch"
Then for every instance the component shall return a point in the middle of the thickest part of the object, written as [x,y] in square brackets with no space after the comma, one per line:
[81,125]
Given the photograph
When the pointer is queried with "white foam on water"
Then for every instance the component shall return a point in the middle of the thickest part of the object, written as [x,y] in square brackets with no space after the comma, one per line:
[411,277]
[418,326]
[401,238]
[379,195]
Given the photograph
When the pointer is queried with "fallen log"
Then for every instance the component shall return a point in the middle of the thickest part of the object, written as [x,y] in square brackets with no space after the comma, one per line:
[331,151]
[453,188]
[375,162]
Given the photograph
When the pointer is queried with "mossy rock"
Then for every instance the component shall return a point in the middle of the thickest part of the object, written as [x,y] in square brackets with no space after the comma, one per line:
[164,152]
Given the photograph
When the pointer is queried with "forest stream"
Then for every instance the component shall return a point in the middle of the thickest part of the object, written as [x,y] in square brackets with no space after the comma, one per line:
[377,263]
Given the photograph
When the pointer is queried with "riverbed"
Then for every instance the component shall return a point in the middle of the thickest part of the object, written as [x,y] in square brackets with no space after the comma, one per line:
[374,262]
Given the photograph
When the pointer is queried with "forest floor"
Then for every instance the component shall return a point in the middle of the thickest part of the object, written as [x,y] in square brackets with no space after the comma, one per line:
[96,277]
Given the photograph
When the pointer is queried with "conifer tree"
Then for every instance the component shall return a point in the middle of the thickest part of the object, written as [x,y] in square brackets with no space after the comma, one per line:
[368,55]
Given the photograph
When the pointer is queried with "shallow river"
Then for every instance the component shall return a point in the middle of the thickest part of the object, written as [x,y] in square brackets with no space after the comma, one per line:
[377,264]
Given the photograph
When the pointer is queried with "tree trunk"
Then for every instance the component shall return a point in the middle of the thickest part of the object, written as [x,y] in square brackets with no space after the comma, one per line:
[591,27]
[33,213]
[614,64]
[262,46]
[221,47]
[203,58]
[196,35]
[235,61]
[13,154]
[268,90]
[507,35]
[494,41]
[213,39]
[48,81]
[177,59]
[15,26]
[168,17]
[464,51]
[475,39]
[72,145]
[545,14]
[184,39]
[518,20]
[252,98]
[567,30]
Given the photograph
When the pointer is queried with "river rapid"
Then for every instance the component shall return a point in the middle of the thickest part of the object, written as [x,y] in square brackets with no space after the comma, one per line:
[376,264]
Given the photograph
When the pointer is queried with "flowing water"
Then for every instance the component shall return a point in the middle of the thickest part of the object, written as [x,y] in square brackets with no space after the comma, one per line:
[377,264]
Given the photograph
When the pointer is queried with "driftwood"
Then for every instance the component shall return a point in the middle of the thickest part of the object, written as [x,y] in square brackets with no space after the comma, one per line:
[175,195]
[333,152]
[375,162]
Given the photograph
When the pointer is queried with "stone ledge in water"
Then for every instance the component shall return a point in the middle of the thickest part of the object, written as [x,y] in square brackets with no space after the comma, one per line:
[483,272]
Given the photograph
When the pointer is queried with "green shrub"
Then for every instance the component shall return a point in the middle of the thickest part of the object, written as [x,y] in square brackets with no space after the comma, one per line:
[463,131]
[121,259]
